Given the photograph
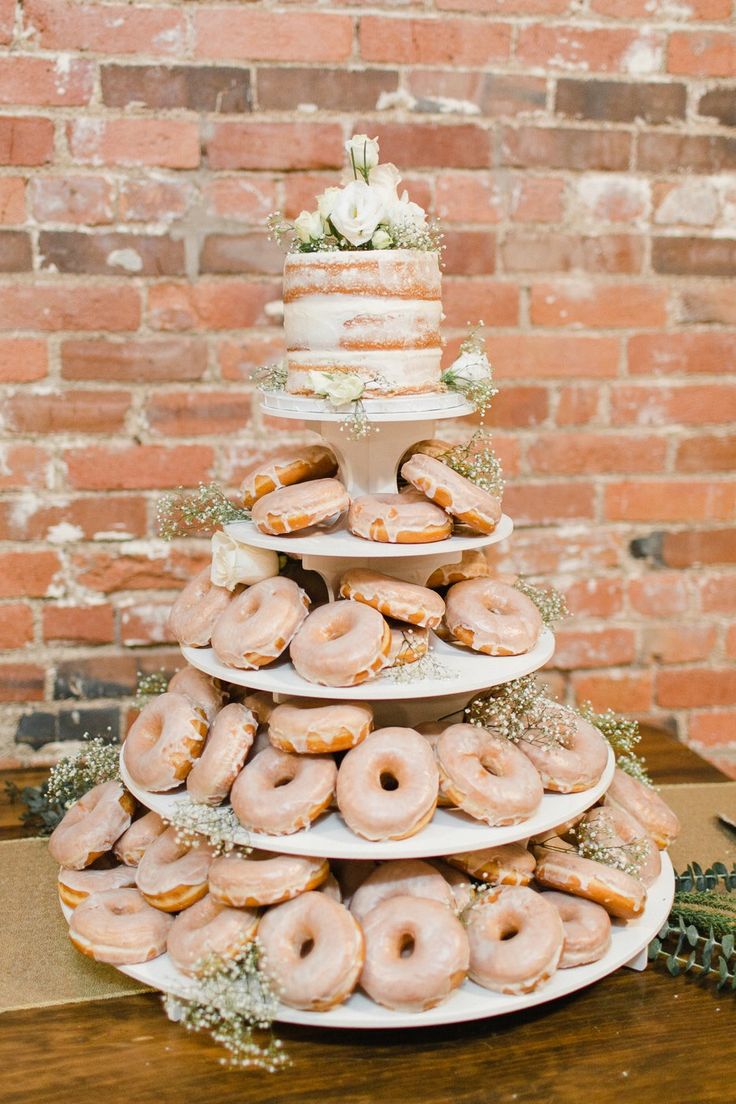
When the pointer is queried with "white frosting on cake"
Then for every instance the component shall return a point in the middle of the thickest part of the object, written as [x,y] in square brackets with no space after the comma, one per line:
[362,321]
[384,372]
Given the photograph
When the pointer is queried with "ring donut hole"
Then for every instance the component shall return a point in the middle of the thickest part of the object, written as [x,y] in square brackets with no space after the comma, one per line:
[407,944]
[388,780]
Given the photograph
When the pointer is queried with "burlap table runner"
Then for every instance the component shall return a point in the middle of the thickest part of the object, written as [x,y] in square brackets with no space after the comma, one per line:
[39,966]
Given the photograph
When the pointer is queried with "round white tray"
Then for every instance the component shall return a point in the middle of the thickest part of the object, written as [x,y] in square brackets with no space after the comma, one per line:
[470,1001]
[407,408]
[467,672]
[342,543]
[449,832]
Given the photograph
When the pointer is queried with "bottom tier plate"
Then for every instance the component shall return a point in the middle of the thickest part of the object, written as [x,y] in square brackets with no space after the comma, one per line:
[470,1001]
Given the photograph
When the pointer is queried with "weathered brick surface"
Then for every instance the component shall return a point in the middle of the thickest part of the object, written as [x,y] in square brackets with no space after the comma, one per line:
[581,160]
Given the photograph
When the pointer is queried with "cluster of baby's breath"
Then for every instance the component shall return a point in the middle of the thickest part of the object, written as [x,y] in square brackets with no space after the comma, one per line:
[550,603]
[623,735]
[217,824]
[477,461]
[474,379]
[412,649]
[197,513]
[408,234]
[522,710]
[597,840]
[149,687]
[356,423]
[428,667]
[234,1000]
[272,377]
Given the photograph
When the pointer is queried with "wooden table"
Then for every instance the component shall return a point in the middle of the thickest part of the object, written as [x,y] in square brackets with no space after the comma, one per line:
[637,1038]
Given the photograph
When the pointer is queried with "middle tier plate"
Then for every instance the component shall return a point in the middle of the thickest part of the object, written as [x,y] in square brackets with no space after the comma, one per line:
[449,832]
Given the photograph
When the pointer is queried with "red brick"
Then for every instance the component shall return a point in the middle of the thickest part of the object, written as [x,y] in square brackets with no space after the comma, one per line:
[595,453]
[16,625]
[469,300]
[26,140]
[616,198]
[718,594]
[24,466]
[111,254]
[706,54]
[507,7]
[621,101]
[169,143]
[691,548]
[7,17]
[246,198]
[551,356]
[15,251]
[694,256]
[712,729]
[688,688]
[275,146]
[67,412]
[106,517]
[27,574]
[660,152]
[107,28]
[527,251]
[688,404]
[109,572]
[424,145]
[669,501]
[566,551]
[191,413]
[707,303]
[660,9]
[88,200]
[465,197]
[577,405]
[22,359]
[45,82]
[327,89]
[592,647]
[584,304]
[145,623]
[731,642]
[79,624]
[469,252]
[443,41]
[662,354]
[495,95]
[622,691]
[549,503]
[661,594]
[239,359]
[47,306]
[706,453]
[12,200]
[593,597]
[538,199]
[565,148]
[210,304]
[154,200]
[678,643]
[21,682]
[719,103]
[201,88]
[142,361]
[133,467]
[520,407]
[598,50]
[251,35]
[235,254]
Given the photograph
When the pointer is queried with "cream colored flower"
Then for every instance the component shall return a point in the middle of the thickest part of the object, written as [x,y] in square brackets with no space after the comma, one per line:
[327,200]
[338,387]
[308,226]
[363,152]
[234,562]
[357,212]
[386,179]
[473,367]
[381,240]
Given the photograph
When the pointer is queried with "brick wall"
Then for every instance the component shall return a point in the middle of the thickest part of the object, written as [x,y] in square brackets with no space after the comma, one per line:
[581,156]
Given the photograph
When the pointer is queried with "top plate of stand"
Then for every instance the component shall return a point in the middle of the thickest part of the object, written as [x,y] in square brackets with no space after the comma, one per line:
[406,408]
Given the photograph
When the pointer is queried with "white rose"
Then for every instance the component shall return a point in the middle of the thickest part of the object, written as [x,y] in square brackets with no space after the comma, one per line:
[403,211]
[327,201]
[308,226]
[338,388]
[234,562]
[357,212]
[363,152]
[473,367]
[381,240]
[386,179]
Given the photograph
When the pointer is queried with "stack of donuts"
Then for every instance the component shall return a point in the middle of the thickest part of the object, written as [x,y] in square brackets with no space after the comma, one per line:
[408,932]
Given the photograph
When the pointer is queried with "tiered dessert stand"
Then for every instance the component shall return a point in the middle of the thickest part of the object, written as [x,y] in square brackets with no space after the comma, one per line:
[369,465]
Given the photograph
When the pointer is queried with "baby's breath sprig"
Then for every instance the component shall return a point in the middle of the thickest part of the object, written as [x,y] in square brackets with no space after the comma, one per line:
[471,374]
[550,603]
[597,840]
[217,825]
[197,513]
[477,461]
[411,650]
[623,735]
[280,229]
[428,667]
[521,710]
[234,999]
[357,424]
[272,377]
[149,687]
[409,234]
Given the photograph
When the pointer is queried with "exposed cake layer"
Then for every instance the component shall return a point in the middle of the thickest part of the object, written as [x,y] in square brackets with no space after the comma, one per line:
[384,372]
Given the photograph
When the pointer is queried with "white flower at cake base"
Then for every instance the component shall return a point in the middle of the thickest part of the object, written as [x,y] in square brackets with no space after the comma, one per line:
[339,388]
[309,226]
[234,563]
[357,212]
[471,373]
[381,239]
[362,153]
[473,367]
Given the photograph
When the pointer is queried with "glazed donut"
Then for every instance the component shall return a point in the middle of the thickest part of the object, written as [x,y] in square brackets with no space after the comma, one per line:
[563,869]
[264,878]
[416,953]
[193,614]
[350,874]
[505,864]
[465,500]
[172,874]
[615,827]
[516,939]
[261,705]
[284,469]
[310,727]
[313,949]
[400,878]
[164,740]
[429,447]
[472,565]
[646,806]
[491,617]
[387,786]
[341,644]
[431,731]
[486,775]
[406,518]
[225,750]
[586,927]
[393,597]
[408,644]
[331,888]
[291,509]
[119,927]
[278,793]
[206,931]
[130,846]
[462,889]
[76,885]
[204,691]
[91,825]
[259,625]
[573,765]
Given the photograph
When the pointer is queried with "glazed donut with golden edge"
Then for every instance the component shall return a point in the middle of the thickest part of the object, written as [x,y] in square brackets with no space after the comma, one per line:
[204,691]
[331,888]
[387,786]
[407,644]
[431,731]
[429,447]
[129,848]
[298,465]
[645,804]
[505,864]
[472,565]
[308,727]
[91,825]
[516,939]
[465,500]
[264,878]
[486,775]
[260,624]
[163,742]
[279,794]
[313,949]
[226,747]
[320,502]
[587,928]
[193,614]
[615,827]
[118,926]
[406,518]
[492,617]
[393,597]
[619,893]
[209,930]
[341,644]
[416,953]
[172,874]
[261,705]
[76,885]
[400,878]
[575,764]
[461,887]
